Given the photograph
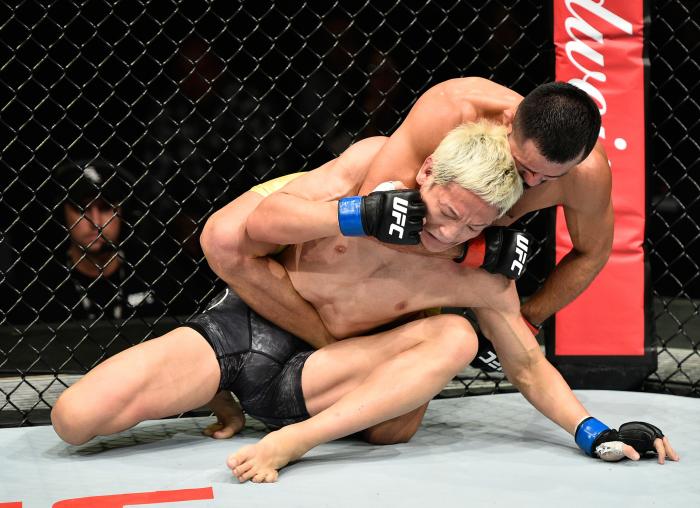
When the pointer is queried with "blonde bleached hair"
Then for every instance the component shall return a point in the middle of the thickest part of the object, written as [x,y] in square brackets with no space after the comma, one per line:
[477,156]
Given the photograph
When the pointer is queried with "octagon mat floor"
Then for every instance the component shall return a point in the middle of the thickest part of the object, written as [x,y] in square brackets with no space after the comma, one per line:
[493,450]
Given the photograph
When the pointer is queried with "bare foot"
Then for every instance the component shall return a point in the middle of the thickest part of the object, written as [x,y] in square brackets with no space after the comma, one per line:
[229,417]
[260,462]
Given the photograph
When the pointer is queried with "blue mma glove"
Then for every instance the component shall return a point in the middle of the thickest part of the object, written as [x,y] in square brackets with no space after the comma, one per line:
[394,216]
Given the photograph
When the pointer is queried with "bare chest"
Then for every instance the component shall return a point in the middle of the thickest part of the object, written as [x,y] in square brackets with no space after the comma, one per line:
[357,284]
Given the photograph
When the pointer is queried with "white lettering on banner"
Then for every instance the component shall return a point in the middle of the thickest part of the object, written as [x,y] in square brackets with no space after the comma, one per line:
[400,209]
[577,46]
[600,49]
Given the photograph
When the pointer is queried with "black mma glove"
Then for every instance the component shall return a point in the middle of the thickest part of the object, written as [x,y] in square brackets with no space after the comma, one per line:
[640,436]
[394,216]
[499,250]
[597,440]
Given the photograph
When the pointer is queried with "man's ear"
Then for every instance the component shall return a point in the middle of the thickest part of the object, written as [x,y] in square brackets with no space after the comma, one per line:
[425,171]
[508,116]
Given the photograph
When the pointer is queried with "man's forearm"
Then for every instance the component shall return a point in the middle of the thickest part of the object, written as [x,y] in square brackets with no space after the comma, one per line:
[258,279]
[265,286]
[543,386]
[285,219]
[570,277]
[528,369]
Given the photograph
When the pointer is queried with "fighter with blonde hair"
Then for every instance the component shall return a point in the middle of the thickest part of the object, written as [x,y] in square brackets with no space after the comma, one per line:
[552,135]
[363,291]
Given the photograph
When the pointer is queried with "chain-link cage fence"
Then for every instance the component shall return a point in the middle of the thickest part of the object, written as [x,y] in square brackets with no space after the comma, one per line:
[673,223]
[174,109]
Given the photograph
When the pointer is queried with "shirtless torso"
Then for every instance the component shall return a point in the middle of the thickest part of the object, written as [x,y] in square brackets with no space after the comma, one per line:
[584,192]
[358,284]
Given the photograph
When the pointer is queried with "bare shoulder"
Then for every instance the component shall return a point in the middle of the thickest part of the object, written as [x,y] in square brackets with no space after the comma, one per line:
[471,86]
[589,185]
[448,101]
[364,150]
[354,163]
[342,176]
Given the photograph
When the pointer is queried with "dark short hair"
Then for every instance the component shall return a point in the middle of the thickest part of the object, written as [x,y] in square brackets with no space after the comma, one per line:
[84,181]
[561,119]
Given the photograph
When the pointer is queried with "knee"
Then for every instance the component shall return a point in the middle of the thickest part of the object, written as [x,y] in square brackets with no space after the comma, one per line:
[69,420]
[458,340]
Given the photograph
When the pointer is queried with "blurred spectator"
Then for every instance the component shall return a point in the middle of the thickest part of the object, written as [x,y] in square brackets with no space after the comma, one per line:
[89,276]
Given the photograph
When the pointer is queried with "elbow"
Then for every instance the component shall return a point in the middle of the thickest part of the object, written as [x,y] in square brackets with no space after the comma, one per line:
[219,244]
[603,253]
[599,258]
[592,261]
[256,228]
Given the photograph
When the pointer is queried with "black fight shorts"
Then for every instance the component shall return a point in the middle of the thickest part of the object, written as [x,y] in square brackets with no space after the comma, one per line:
[260,363]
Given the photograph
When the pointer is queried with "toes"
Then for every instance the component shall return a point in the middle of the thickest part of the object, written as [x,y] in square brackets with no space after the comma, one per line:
[243,468]
[222,433]
[236,460]
[240,457]
[266,476]
[210,430]
[258,476]
[247,475]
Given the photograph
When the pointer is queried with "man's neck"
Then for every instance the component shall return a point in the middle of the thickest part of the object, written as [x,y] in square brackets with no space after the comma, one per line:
[450,253]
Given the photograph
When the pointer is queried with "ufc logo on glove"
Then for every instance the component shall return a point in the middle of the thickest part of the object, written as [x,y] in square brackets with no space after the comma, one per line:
[521,248]
[393,216]
[400,209]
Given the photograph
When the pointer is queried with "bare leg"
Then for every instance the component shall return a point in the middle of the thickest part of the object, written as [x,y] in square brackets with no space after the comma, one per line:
[356,383]
[161,377]
[397,430]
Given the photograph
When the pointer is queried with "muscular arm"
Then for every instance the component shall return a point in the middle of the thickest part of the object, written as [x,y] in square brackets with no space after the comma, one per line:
[589,219]
[433,115]
[436,112]
[258,279]
[243,262]
[307,208]
[524,364]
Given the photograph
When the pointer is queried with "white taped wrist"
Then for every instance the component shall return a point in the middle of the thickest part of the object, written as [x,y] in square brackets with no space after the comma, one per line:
[385,186]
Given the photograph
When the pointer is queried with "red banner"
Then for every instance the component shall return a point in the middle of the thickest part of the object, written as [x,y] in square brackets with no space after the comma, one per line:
[599,48]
